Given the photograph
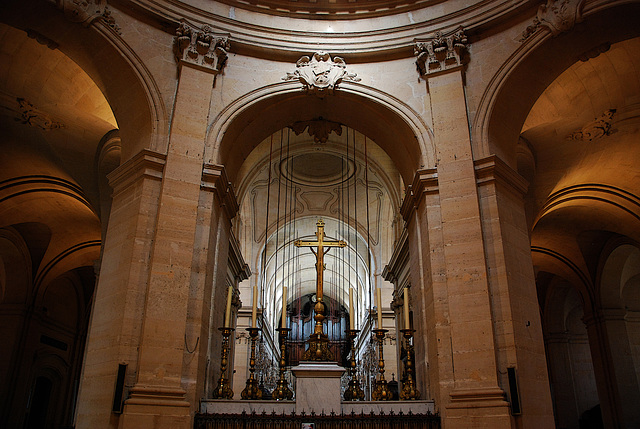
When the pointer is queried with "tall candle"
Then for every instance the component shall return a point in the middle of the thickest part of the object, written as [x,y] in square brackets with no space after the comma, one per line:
[406,308]
[284,306]
[254,309]
[351,309]
[227,314]
[379,304]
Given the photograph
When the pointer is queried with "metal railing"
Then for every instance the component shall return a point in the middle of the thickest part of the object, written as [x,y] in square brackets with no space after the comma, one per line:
[317,421]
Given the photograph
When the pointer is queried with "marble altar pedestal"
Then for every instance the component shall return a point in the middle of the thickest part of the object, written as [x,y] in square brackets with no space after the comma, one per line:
[318,387]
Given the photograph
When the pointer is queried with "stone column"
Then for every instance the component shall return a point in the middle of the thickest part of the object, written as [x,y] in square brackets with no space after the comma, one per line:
[476,398]
[557,344]
[513,294]
[614,368]
[158,398]
[114,329]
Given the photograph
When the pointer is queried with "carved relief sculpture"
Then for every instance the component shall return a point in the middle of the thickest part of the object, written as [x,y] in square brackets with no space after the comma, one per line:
[29,115]
[441,52]
[203,48]
[556,16]
[320,74]
[596,129]
[319,129]
[86,11]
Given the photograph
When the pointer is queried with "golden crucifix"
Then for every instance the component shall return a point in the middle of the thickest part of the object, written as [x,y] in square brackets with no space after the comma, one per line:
[318,341]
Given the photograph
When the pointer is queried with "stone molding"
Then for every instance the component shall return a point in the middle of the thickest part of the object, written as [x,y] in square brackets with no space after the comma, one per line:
[145,164]
[320,74]
[215,179]
[598,128]
[425,182]
[201,47]
[557,16]
[399,259]
[492,397]
[239,268]
[494,170]
[603,315]
[442,52]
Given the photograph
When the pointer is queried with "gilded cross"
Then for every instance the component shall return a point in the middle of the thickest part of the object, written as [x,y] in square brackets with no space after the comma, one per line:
[320,244]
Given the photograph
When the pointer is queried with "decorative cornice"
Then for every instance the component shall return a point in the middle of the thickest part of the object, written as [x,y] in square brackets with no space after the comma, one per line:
[442,52]
[201,47]
[239,268]
[595,129]
[425,182]
[494,170]
[215,179]
[145,164]
[557,16]
[320,74]
[399,259]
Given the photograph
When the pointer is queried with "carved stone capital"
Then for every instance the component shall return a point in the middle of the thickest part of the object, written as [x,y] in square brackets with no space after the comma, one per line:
[557,16]
[320,74]
[595,129]
[201,47]
[441,52]
[87,11]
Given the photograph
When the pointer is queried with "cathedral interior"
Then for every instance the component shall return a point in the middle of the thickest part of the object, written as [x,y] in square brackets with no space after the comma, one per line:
[166,163]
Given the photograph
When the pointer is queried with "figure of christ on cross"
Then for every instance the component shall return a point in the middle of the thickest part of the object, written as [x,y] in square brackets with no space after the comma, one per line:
[318,341]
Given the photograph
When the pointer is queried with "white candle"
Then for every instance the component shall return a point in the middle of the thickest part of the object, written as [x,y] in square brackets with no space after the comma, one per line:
[254,309]
[406,308]
[351,309]
[227,314]
[379,304]
[284,306]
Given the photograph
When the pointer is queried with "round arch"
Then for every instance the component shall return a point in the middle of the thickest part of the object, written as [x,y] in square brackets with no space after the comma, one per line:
[246,122]
[126,83]
[530,70]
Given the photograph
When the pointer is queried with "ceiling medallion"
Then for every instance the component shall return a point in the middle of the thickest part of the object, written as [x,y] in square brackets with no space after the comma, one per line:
[317,169]
[320,74]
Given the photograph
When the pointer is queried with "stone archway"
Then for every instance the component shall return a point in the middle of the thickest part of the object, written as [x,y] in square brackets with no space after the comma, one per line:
[396,128]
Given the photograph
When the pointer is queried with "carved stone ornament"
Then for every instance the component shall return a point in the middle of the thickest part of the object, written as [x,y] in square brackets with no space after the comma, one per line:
[320,74]
[596,129]
[441,53]
[201,47]
[29,115]
[87,11]
[557,16]
[319,129]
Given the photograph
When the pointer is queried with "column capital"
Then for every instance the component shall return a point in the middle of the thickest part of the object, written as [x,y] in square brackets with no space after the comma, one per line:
[425,182]
[146,163]
[494,170]
[201,47]
[441,53]
[214,178]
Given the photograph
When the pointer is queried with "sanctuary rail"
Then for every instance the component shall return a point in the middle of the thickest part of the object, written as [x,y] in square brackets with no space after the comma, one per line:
[319,421]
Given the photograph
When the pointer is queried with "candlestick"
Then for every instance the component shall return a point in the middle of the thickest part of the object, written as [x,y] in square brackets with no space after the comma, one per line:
[254,308]
[353,392]
[382,391]
[284,307]
[379,304]
[351,309]
[282,390]
[409,391]
[227,314]
[406,308]
[252,390]
[223,389]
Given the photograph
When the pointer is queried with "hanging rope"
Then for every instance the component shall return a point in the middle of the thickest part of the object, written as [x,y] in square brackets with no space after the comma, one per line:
[266,230]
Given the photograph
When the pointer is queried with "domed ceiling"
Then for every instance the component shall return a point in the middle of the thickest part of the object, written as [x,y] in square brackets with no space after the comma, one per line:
[330,9]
